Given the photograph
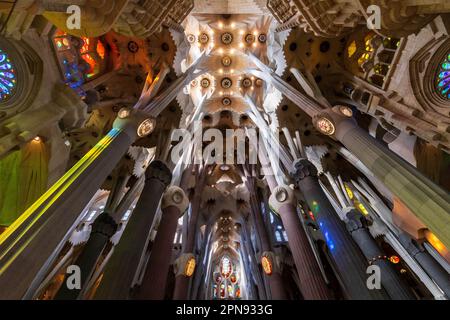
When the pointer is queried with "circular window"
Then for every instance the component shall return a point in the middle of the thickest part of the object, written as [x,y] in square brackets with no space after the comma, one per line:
[443,78]
[8,80]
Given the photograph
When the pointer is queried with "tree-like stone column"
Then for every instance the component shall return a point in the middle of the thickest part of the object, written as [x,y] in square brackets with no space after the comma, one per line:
[174,203]
[312,283]
[124,262]
[350,263]
[182,280]
[33,242]
[103,229]
[394,286]
[428,263]
[425,199]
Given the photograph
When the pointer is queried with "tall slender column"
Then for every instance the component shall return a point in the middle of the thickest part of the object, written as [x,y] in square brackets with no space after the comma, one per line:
[274,277]
[428,263]
[182,280]
[199,271]
[348,258]
[253,263]
[243,252]
[425,199]
[391,282]
[32,243]
[123,264]
[173,206]
[312,284]
[103,228]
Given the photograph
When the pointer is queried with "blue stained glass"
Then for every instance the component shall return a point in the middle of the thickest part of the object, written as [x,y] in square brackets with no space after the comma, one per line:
[7,76]
[444,74]
[443,78]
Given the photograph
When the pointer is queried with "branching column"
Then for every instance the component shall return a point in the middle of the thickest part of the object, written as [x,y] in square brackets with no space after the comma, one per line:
[33,241]
[173,206]
[348,258]
[123,265]
[312,284]
[274,278]
[429,202]
[428,263]
[391,282]
[182,280]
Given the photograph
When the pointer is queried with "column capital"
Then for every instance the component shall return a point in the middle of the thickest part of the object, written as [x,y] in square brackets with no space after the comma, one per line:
[282,195]
[105,225]
[303,168]
[158,170]
[185,265]
[175,197]
[355,221]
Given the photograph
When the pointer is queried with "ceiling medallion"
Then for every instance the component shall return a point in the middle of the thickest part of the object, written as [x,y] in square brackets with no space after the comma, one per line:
[146,127]
[258,82]
[205,83]
[262,38]
[203,38]
[249,38]
[325,126]
[247,83]
[133,47]
[226,61]
[226,83]
[227,38]
[190,38]
[226,101]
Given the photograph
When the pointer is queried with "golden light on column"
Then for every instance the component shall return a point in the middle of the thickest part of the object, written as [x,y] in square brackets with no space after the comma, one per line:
[266,265]
[190,267]
[437,244]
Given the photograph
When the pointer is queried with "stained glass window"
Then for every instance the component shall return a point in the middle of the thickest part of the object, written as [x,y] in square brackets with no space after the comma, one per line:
[7,76]
[443,78]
